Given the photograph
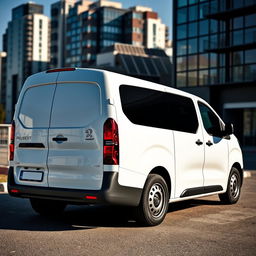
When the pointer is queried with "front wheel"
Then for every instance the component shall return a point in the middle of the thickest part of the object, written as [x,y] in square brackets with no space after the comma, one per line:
[47,207]
[154,201]
[233,189]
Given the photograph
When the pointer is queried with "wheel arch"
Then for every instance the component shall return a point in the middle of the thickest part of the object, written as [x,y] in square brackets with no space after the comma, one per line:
[160,170]
[239,168]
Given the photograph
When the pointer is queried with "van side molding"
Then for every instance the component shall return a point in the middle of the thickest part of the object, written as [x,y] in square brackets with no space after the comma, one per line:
[201,190]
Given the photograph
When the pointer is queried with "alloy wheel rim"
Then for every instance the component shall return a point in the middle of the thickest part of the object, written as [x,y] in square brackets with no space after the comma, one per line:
[156,200]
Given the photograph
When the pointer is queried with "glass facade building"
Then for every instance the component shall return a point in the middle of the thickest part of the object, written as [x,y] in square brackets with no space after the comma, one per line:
[214,43]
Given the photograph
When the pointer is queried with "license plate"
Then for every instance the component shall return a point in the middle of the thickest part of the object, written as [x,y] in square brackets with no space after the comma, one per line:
[31,176]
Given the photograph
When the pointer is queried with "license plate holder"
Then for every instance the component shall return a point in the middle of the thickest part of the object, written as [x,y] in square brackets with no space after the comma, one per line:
[36,176]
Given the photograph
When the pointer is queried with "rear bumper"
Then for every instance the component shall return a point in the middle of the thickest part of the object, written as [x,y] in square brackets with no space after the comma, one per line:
[110,193]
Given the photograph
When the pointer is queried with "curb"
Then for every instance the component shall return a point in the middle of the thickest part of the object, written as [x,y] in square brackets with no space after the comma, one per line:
[3,187]
[247,174]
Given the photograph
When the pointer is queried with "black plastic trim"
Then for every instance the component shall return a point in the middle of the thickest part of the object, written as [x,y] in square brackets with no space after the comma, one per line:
[201,190]
[111,192]
[31,145]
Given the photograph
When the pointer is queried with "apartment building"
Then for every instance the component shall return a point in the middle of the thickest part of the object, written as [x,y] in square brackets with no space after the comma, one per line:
[59,13]
[92,26]
[27,43]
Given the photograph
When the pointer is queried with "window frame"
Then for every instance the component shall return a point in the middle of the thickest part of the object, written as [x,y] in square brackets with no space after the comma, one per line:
[221,122]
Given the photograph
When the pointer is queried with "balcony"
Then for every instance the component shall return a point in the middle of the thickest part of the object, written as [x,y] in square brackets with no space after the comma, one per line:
[213,12]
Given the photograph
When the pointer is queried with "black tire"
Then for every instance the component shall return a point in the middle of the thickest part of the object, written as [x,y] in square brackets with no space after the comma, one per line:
[154,201]
[233,192]
[47,207]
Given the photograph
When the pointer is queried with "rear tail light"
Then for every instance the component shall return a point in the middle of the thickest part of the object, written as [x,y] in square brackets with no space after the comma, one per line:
[11,146]
[15,191]
[111,143]
[91,197]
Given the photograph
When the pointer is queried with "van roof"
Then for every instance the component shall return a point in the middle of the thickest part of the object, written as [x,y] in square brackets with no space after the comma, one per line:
[49,77]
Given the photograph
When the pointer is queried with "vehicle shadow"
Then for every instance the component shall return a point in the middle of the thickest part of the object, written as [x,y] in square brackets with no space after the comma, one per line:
[177,206]
[17,214]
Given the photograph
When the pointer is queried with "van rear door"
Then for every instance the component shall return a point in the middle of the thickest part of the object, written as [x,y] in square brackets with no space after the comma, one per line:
[75,137]
[31,133]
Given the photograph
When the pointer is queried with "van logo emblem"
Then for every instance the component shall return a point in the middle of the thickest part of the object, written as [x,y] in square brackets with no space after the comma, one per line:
[89,135]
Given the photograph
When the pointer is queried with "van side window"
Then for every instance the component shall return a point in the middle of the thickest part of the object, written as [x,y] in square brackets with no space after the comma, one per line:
[210,120]
[158,109]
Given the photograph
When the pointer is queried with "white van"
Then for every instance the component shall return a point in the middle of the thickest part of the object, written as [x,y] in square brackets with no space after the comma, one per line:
[84,136]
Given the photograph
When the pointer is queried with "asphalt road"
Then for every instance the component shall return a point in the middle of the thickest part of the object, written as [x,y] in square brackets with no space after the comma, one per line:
[198,227]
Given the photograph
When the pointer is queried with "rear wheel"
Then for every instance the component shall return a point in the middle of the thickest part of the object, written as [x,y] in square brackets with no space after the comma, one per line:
[47,207]
[234,188]
[154,201]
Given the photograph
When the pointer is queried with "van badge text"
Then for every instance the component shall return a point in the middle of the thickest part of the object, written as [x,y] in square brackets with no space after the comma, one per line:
[23,137]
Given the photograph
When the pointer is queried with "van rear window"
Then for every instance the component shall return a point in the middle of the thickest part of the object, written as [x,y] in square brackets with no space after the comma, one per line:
[158,109]
[36,106]
[75,105]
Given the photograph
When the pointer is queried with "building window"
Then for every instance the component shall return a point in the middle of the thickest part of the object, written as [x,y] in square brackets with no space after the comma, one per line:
[192,78]
[237,73]
[203,77]
[203,61]
[193,12]
[181,63]
[250,72]
[249,131]
[182,31]
[182,3]
[182,15]
[203,27]
[213,76]
[181,47]
[192,29]
[237,58]
[192,62]
[250,56]
[238,37]
[181,79]
[192,46]
[40,24]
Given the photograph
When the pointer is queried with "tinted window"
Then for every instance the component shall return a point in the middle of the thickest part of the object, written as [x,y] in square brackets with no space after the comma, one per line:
[75,105]
[210,120]
[36,106]
[158,109]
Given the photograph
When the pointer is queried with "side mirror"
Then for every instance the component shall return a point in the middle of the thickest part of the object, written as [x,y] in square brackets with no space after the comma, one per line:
[229,129]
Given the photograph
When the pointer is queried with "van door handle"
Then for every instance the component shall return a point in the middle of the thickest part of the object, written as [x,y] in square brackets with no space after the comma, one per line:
[199,142]
[59,139]
[209,143]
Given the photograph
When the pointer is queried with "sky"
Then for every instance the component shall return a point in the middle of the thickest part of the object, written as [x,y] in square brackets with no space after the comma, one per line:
[163,7]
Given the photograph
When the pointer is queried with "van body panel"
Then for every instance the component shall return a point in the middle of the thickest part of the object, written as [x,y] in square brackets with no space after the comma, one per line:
[216,164]
[215,171]
[235,153]
[189,160]
[142,144]
[29,158]
[75,137]
[31,138]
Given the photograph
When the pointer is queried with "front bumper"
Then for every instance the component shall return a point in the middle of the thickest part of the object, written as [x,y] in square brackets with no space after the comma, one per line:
[111,192]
